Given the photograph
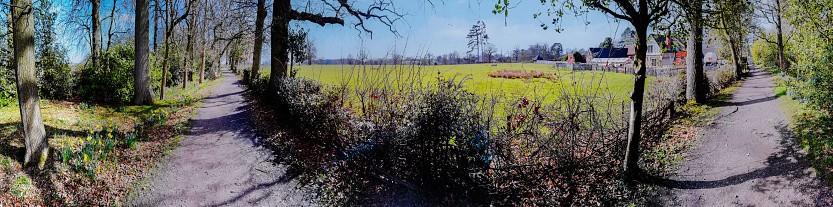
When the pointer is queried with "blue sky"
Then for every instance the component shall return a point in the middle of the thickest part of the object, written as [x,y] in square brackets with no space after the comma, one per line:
[442,29]
[438,29]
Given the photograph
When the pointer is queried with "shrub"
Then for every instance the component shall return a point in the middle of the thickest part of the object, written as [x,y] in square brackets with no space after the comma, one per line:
[512,74]
[721,78]
[57,79]
[8,80]
[438,144]
[112,82]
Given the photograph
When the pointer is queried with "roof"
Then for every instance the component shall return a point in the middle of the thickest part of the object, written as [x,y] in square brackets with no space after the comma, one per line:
[609,52]
[610,60]
[631,49]
[663,41]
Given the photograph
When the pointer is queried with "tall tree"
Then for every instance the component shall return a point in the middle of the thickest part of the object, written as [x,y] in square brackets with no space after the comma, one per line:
[773,12]
[142,94]
[627,37]
[607,43]
[693,10]
[478,39]
[27,85]
[641,14]
[734,21]
[171,20]
[282,12]
[258,47]
[95,44]
[557,50]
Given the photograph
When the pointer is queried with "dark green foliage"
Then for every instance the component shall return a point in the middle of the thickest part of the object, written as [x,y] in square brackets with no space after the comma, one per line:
[578,58]
[819,79]
[113,82]
[56,78]
[8,81]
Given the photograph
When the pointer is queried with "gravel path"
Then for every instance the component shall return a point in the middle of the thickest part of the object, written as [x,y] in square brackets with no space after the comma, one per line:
[219,162]
[746,157]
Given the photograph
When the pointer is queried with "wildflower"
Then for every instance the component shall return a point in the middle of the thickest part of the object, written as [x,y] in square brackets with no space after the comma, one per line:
[109,135]
[99,151]
[85,157]
[89,137]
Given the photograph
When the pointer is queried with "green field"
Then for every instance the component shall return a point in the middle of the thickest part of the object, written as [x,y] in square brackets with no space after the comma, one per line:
[478,81]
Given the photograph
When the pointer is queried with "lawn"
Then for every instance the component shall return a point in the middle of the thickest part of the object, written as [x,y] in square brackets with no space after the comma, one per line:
[478,80]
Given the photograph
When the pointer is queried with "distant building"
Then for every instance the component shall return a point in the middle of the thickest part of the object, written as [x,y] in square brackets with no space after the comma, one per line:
[609,56]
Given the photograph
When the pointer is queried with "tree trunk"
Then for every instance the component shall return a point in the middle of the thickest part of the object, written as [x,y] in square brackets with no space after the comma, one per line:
[695,81]
[280,20]
[782,59]
[635,124]
[168,34]
[27,85]
[155,25]
[202,65]
[96,32]
[261,16]
[141,81]
[735,59]
[188,47]
[110,29]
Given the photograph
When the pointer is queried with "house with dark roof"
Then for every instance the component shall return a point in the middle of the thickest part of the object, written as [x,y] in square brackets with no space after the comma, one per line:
[609,56]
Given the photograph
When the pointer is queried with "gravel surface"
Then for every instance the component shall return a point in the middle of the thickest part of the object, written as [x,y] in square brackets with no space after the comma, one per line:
[746,157]
[219,162]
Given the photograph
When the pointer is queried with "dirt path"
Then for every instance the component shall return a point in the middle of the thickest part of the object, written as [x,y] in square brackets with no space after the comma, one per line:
[747,157]
[219,163]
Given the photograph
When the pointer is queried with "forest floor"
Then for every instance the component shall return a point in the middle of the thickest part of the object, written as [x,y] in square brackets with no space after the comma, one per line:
[745,157]
[220,162]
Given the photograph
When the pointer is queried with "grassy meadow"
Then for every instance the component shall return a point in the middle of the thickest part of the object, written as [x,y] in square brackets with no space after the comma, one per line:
[477,79]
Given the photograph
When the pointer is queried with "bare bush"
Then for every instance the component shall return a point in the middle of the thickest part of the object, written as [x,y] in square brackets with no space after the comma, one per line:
[399,135]
[513,74]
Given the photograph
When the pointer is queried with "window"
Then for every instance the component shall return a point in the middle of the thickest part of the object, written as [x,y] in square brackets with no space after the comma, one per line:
[650,48]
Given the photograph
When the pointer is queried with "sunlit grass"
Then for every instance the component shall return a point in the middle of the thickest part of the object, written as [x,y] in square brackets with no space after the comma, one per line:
[477,78]
[84,136]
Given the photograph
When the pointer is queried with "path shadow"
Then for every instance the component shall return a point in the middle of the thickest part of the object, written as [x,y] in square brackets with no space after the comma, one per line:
[788,166]
[289,175]
[754,101]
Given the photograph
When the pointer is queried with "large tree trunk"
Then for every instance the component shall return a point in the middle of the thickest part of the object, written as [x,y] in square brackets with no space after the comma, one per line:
[141,81]
[735,58]
[188,60]
[168,19]
[280,20]
[635,123]
[261,15]
[155,25]
[202,65]
[96,32]
[27,85]
[782,59]
[695,81]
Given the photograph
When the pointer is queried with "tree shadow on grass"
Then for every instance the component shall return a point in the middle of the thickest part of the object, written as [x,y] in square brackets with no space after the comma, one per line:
[11,145]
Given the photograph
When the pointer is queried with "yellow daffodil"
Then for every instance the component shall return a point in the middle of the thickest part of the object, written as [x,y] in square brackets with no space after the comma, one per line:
[89,137]
[99,151]
[109,135]
[85,157]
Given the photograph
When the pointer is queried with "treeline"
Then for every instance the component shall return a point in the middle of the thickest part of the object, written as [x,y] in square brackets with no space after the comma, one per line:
[490,55]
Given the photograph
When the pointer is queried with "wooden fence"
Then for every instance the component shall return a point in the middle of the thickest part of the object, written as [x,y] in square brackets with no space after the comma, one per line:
[665,71]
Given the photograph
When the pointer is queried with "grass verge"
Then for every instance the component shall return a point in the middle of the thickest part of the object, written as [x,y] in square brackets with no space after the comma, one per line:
[98,152]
